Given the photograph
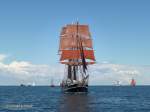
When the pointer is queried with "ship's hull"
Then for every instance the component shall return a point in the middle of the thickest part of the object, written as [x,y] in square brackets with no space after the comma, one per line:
[75,88]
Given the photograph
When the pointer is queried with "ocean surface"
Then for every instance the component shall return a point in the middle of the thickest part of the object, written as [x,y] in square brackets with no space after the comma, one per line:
[98,99]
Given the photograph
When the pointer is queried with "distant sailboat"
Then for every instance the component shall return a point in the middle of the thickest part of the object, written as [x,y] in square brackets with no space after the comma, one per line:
[118,83]
[133,82]
[31,84]
[52,83]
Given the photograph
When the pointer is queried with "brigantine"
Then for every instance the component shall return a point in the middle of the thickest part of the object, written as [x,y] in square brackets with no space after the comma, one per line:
[76,52]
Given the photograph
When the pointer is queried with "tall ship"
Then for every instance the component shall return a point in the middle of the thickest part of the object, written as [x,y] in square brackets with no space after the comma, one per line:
[133,82]
[52,83]
[76,53]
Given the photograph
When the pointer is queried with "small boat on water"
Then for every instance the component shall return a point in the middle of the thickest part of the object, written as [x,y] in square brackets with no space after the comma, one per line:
[52,83]
[118,83]
[22,85]
[28,85]
[76,52]
[133,82]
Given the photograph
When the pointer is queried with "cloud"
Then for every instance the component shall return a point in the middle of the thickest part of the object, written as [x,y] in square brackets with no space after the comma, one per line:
[2,57]
[17,72]
[109,73]
[25,72]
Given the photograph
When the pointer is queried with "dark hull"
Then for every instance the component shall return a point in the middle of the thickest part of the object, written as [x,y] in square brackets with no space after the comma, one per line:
[75,89]
[52,86]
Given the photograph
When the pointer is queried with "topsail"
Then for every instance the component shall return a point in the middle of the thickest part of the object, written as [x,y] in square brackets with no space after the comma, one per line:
[69,37]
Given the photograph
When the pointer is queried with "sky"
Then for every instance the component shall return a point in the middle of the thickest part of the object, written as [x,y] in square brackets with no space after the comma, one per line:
[29,39]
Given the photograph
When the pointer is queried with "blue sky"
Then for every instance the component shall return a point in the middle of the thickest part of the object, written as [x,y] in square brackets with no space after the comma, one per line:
[29,29]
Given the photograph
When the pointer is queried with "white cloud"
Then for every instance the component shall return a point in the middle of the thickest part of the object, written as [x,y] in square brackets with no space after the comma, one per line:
[18,72]
[25,72]
[108,73]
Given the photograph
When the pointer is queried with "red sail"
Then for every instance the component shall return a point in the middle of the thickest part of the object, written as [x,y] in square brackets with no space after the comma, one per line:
[75,54]
[63,31]
[72,43]
[77,63]
[82,30]
[72,38]
[69,33]
[133,82]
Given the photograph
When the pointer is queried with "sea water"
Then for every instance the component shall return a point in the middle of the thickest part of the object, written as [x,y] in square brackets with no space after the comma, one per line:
[52,99]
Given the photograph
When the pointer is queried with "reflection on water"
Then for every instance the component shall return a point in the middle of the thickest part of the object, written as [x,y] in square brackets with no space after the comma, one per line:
[74,103]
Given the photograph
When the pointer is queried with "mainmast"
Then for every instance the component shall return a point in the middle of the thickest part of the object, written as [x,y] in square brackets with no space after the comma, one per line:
[81,51]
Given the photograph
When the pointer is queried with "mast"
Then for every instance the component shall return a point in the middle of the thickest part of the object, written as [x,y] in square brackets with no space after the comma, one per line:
[74,73]
[69,72]
[81,51]
[52,82]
